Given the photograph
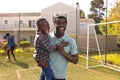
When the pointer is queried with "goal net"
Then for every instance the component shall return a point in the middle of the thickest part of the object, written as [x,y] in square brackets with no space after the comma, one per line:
[97,47]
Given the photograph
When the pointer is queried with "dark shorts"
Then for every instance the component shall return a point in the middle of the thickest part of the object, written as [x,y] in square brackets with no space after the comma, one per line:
[57,79]
[11,47]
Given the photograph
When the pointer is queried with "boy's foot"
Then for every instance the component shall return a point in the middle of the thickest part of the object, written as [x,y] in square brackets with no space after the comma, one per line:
[7,60]
[15,60]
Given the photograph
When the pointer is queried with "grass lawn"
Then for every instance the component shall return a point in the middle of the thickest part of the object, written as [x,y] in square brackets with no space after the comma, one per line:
[26,69]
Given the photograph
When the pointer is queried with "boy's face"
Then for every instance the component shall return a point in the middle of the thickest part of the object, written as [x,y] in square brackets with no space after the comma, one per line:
[45,28]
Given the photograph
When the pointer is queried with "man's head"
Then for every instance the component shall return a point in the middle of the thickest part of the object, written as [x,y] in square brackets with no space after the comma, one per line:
[43,25]
[60,23]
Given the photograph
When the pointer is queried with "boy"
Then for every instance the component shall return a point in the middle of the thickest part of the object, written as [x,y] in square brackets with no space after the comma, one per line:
[11,46]
[42,47]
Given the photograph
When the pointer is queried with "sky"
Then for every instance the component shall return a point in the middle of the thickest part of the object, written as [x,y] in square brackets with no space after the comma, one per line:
[16,6]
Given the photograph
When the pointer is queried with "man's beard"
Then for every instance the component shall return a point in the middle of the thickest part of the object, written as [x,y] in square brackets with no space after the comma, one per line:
[59,32]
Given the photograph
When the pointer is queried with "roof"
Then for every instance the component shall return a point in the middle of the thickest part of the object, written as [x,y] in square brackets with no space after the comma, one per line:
[19,14]
[59,6]
[86,20]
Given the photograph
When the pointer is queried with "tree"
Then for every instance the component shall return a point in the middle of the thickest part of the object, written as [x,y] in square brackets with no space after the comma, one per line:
[97,9]
[82,14]
[114,15]
[115,12]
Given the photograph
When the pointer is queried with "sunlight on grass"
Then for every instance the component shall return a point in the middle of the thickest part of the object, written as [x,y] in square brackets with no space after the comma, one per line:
[25,74]
[111,58]
[18,50]
[26,66]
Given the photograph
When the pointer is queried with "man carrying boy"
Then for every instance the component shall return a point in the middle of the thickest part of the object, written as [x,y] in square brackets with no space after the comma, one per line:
[42,48]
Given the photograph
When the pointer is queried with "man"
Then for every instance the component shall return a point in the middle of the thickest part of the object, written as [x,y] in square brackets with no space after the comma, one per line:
[42,48]
[59,59]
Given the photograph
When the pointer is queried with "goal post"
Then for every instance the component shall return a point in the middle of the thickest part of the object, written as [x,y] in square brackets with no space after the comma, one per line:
[98,48]
[101,63]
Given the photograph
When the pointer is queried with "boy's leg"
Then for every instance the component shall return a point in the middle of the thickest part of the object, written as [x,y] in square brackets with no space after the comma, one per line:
[47,72]
[12,52]
[42,76]
[8,55]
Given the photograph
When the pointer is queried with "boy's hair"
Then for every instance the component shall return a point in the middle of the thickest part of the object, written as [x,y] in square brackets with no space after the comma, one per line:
[7,34]
[39,21]
[60,17]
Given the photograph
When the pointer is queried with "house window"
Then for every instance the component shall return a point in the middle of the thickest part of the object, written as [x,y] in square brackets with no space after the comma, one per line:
[21,21]
[55,14]
[31,23]
[6,21]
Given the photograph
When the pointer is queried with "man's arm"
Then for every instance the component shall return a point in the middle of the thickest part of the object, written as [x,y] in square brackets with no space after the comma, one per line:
[71,58]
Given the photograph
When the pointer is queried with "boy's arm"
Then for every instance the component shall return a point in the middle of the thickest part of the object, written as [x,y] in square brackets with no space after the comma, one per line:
[47,46]
[53,48]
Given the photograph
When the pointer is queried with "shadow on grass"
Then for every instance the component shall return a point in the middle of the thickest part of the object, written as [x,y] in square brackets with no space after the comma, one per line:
[3,64]
[21,64]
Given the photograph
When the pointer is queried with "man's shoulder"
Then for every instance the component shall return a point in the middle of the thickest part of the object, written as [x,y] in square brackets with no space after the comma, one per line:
[68,37]
[51,34]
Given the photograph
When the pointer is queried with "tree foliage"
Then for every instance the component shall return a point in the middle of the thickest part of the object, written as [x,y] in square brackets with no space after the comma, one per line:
[114,15]
[82,14]
[97,9]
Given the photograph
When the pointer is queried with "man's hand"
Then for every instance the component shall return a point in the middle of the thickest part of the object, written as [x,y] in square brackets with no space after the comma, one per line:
[42,64]
[64,43]
[60,48]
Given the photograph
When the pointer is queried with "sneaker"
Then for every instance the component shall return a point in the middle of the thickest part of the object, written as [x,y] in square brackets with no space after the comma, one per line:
[7,60]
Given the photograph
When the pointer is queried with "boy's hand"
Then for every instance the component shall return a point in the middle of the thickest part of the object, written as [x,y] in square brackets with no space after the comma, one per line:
[64,43]
[42,64]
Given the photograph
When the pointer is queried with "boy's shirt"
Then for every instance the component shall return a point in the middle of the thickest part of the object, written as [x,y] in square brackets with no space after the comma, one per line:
[42,47]
[10,41]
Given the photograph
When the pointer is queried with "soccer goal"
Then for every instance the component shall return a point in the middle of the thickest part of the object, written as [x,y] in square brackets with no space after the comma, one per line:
[88,58]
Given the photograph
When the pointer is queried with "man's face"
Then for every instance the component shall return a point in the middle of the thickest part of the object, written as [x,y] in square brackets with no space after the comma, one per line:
[60,26]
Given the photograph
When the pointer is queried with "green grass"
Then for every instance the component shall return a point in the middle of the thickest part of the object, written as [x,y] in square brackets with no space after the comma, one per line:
[26,69]
[112,57]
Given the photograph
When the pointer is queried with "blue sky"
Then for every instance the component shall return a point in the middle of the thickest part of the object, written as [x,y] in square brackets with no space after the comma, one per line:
[9,6]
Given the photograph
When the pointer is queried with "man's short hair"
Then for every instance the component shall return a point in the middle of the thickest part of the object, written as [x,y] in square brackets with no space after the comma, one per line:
[60,17]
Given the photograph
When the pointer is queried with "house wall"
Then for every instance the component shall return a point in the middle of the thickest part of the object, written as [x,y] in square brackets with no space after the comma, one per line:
[13,27]
[84,24]
[68,10]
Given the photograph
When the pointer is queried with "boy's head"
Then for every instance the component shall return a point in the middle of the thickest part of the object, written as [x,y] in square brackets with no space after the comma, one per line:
[6,35]
[43,25]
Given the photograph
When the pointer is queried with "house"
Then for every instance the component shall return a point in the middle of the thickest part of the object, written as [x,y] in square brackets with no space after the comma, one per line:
[70,12]
[61,9]
[84,23]
[21,25]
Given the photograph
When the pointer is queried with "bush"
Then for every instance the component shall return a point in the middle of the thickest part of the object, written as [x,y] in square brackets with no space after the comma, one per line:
[3,46]
[25,44]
